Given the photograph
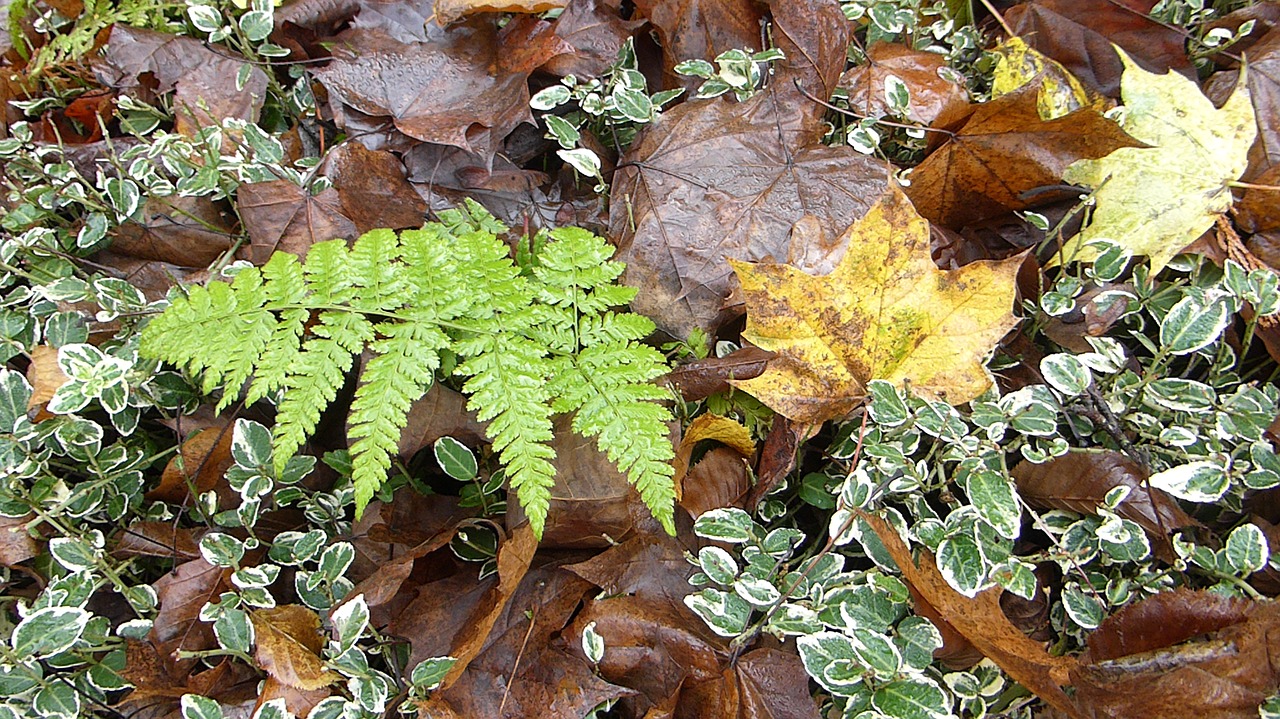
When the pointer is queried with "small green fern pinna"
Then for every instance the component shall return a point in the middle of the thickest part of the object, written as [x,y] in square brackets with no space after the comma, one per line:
[533,340]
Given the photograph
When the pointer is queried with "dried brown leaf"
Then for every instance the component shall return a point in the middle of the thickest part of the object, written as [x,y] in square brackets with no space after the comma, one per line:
[198,467]
[1003,150]
[1078,481]
[935,100]
[288,646]
[702,378]
[596,32]
[1141,664]
[449,11]
[16,543]
[44,375]
[693,29]
[185,231]
[156,539]
[722,478]
[279,215]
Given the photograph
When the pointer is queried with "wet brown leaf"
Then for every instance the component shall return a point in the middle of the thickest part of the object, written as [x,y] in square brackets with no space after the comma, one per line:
[702,378]
[185,231]
[1138,665]
[982,622]
[596,32]
[372,189]
[646,566]
[280,216]
[1078,481]
[1079,33]
[935,100]
[288,646]
[203,81]
[692,29]
[778,456]
[1003,150]
[762,684]
[16,543]
[469,89]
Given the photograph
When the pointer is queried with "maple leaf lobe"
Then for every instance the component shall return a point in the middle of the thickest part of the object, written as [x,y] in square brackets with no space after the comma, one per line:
[885,312]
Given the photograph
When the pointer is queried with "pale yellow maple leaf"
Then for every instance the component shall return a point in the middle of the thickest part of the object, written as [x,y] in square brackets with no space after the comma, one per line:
[885,312]
[1156,200]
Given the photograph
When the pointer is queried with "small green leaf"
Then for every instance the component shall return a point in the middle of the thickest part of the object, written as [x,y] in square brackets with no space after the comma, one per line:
[718,565]
[730,525]
[961,564]
[73,553]
[993,496]
[350,620]
[430,672]
[251,444]
[195,706]
[234,631]
[1201,481]
[726,613]
[877,652]
[581,159]
[550,98]
[915,698]
[220,549]
[1191,325]
[917,639]
[256,25]
[1246,549]
[592,643]
[48,631]
[759,592]
[887,406]
[1082,607]
[456,459]
[1066,373]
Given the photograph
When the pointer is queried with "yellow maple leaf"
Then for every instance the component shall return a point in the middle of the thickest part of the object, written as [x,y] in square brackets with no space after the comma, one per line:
[1157,200]
[885,312]
[1061,93]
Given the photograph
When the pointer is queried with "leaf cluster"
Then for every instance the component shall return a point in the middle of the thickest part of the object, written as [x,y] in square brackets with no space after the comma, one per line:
[532,341]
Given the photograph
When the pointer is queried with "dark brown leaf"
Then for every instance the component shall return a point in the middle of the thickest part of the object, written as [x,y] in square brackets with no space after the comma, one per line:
[182,593]
[702,378]
[778,456]
[185,231]
[721,478]
[1078,481]
[198,467]
[692,29]
[1079,33]
[156,539]
[646,566]
[982,622]
[1003,150]
[1257,211]
[1138,666]
[203,81]
[372,189]
[596,32]
[524,669]
[468,90]
[763,684]
[280,216]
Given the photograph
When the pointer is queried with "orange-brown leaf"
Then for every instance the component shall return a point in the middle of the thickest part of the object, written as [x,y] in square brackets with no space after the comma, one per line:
[289,644]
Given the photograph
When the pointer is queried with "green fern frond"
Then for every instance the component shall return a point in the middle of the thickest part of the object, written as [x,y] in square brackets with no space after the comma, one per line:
[508,389]
[531,342]
[402,371]
[315,378]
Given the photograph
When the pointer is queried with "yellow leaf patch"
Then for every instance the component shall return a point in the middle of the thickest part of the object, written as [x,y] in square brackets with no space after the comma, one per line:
[1157,200]
[885,312]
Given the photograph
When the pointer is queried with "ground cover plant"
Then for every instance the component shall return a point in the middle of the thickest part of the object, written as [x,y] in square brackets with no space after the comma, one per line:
[582,358]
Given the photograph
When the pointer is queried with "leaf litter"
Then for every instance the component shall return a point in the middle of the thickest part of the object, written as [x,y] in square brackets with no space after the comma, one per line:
[712,182]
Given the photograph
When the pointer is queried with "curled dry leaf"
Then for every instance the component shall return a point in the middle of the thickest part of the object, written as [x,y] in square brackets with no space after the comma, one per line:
[982,622]
[722,478]
[1140,663]
[886,312]
[44,375]
[288,646]
[1078,481]
[724,430]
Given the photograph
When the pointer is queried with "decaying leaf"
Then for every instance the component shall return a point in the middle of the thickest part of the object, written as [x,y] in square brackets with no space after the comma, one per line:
[1141,664]
[936,100]
[1157,200]
[16,543]
[288,646]
[447,11]
[279,215]
[1004,150]
[702,29]
[702,378]
[1078,481]
[885,312]
[44,375]
[982,622]
[1060,92]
